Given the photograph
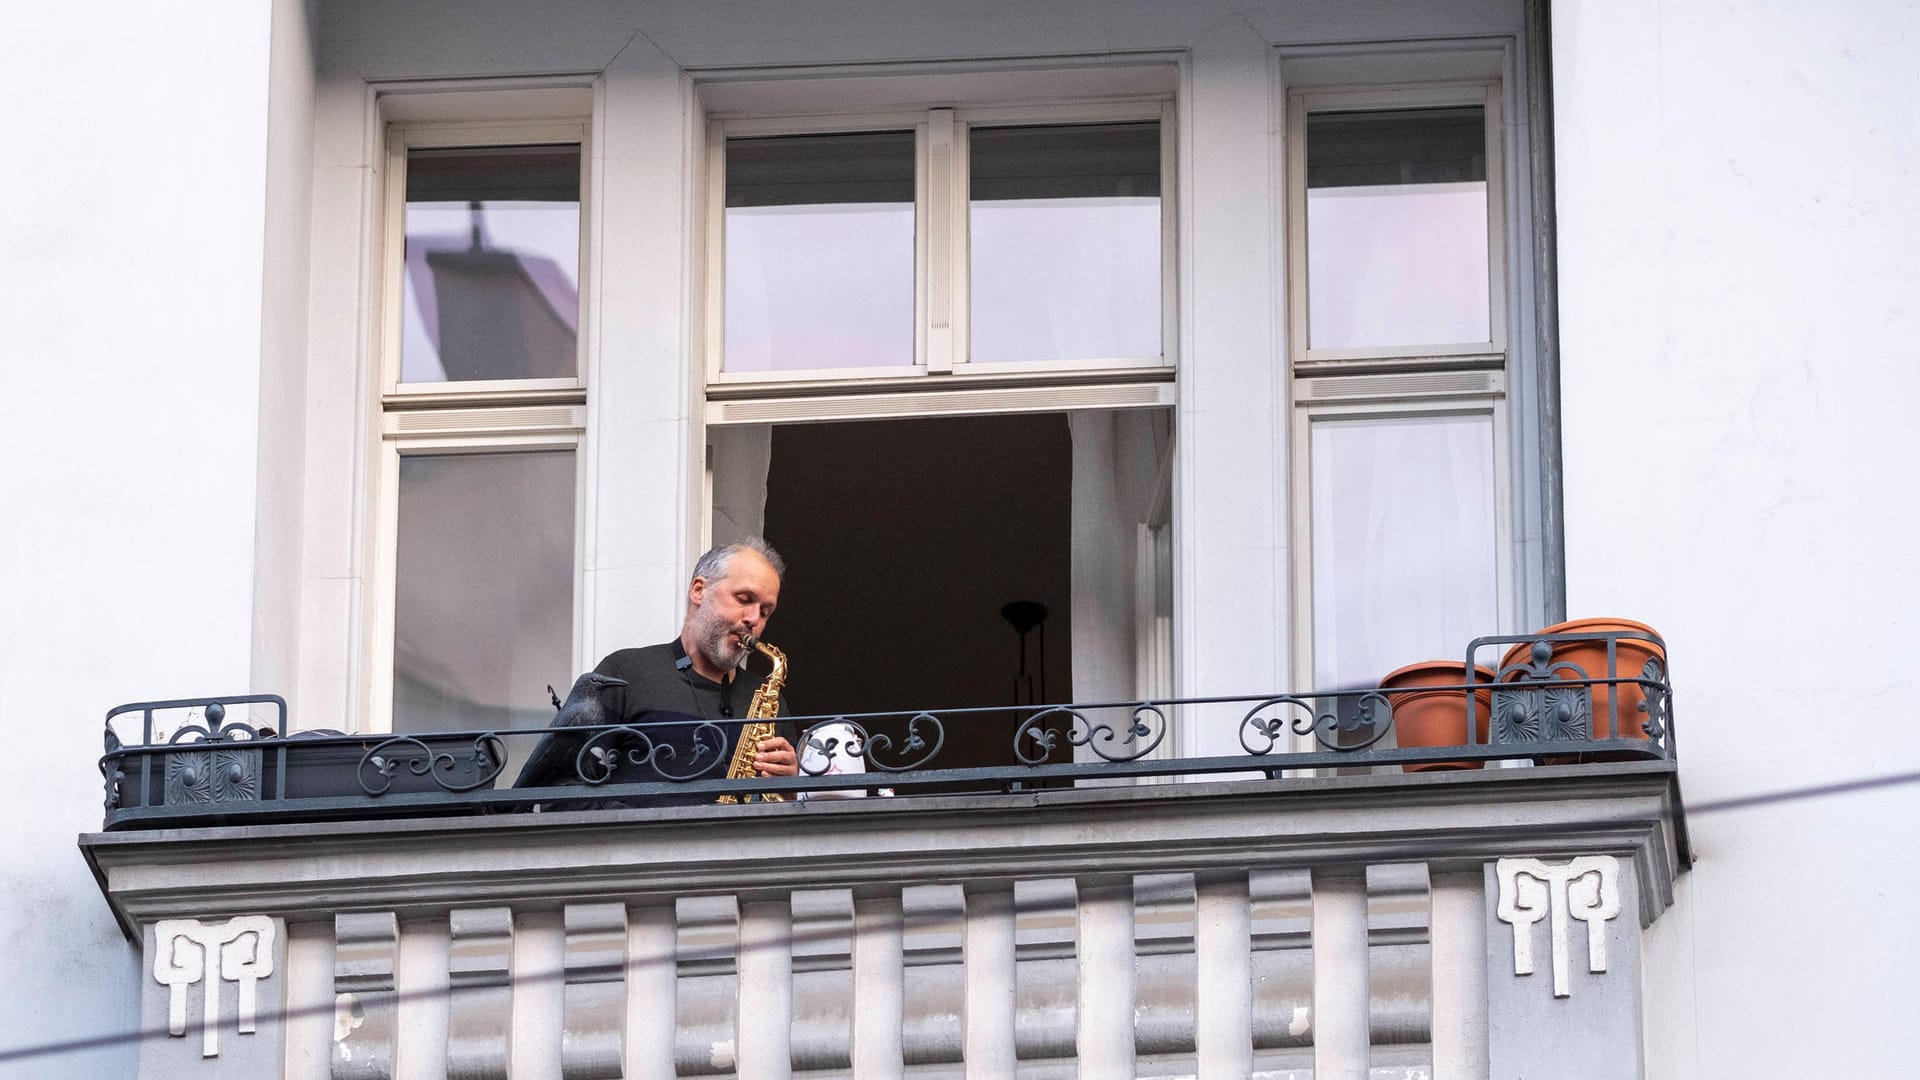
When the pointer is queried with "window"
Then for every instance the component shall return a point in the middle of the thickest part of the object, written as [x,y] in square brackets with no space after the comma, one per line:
[1001,242]
[491,279]
[482,400]
[1065,242]
[920,270]
[1398,351]
[819,256]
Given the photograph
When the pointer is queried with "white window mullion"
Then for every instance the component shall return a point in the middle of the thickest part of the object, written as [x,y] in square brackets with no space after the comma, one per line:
[714,306]
[943,218]
[377,711]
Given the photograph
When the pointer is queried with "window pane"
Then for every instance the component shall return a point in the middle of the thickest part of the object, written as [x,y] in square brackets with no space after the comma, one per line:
[1397,228]
[492,282]
[1065,242]
[483,610]
[1404,558]
[819,252]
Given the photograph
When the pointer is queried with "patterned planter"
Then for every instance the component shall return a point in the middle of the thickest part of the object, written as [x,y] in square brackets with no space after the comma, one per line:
[1576,712]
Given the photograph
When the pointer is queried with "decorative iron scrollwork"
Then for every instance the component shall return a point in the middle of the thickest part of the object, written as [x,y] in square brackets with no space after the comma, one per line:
[1143,730]
[1335,729]
[630,746]
[213,776]
[1653,680]
[925,735]
[488,755]
[224,772]
[1270,729]
[1541,700]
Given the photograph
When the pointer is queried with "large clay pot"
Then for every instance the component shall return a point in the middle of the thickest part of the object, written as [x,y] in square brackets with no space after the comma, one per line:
[1630,660]
[1433,717]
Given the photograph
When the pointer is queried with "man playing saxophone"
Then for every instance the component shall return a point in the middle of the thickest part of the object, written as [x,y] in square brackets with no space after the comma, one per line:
[699,675]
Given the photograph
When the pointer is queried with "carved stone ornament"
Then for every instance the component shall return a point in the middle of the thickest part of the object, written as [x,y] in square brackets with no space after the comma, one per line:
[1586,888]
[187,951]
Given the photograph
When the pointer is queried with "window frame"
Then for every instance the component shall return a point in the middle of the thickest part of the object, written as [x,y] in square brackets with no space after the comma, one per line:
[492,416]
[404,137]
[942,246]
[1492,352]
[562,434]
[1395,397]
[1441,379]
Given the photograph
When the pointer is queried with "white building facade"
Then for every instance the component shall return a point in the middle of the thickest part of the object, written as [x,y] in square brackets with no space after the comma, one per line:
[449,338]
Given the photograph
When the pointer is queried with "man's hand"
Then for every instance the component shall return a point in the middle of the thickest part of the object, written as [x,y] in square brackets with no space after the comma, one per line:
[775,757]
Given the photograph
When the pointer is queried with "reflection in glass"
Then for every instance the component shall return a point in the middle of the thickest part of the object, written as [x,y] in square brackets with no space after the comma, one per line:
[492,282]
[819,252]
[483,604]
[1397,228]
[1064,231]
[1404,557]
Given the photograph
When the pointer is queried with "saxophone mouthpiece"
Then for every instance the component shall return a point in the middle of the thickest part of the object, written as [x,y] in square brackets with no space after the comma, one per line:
[746,641]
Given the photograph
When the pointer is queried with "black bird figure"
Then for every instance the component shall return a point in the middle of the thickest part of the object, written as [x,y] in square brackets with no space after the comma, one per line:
[552,760]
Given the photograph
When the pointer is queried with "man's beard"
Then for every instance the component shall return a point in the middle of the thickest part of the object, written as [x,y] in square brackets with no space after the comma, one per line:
[720,641]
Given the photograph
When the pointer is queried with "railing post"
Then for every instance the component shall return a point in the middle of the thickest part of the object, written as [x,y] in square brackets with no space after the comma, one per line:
[1341,1036]
[764,1019]
[879,983]
[1103,942]
[1223,972]
[988,1011]
[1458,924]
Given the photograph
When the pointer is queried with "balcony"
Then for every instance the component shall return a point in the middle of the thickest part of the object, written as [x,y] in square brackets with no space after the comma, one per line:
[1305,908]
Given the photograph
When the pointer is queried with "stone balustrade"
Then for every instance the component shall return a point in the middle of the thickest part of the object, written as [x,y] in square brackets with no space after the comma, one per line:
[1473,923]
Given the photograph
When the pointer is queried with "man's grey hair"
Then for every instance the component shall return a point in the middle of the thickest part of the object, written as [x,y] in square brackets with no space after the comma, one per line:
[713,565]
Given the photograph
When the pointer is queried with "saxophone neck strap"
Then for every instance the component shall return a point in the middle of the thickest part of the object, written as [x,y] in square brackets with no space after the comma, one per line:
[684,665]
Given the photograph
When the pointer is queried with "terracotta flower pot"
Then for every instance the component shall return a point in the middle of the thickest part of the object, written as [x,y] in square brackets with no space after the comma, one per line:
[1432,717]
[1630,660]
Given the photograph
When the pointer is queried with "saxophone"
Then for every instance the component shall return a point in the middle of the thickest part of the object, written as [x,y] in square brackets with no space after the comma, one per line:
[760,717]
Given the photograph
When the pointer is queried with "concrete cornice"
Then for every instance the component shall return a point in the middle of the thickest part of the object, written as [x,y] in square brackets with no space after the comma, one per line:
[428,866]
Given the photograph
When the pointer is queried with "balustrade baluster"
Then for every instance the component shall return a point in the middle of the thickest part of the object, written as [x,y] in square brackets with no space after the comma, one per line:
[764,1024]
[652,991]
[988,1016]
[1341,1035]
[366,972]
[1103,943]
[1223,974]
[879,983]
[594,1003]
[480,967]
[1458,922]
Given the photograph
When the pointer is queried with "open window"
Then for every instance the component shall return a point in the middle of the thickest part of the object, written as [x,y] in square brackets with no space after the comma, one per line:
[939,349]
[908,539]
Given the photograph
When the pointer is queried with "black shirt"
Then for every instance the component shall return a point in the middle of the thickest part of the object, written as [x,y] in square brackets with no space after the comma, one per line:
[666,698]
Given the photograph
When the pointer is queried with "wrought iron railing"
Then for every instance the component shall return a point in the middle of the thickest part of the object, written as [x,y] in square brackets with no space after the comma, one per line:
[1538,704]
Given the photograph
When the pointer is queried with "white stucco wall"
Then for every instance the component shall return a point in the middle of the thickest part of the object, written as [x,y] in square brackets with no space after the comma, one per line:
[1740,304]
[130,295]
